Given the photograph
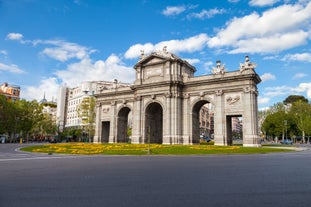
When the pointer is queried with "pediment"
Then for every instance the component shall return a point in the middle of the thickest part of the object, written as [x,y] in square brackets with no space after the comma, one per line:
[152,59]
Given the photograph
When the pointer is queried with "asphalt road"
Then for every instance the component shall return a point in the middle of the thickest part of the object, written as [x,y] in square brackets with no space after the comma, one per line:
[37,180]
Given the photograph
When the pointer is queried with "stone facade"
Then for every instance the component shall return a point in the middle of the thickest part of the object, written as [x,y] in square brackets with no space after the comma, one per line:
[166,98]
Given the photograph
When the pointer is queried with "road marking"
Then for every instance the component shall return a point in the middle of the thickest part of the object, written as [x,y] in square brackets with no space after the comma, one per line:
[36,158]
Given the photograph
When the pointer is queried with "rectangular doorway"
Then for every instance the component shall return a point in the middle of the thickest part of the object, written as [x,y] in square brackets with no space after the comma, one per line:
[105,131]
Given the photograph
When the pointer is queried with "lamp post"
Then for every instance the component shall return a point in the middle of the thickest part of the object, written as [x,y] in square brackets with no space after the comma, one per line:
[285,123]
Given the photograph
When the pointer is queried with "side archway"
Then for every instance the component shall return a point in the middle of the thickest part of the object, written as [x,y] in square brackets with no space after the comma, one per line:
[122,124]
[154,123]
[197,130]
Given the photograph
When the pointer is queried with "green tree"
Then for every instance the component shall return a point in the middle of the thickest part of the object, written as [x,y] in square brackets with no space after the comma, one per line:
[86,111]
[294,98]
[301,111]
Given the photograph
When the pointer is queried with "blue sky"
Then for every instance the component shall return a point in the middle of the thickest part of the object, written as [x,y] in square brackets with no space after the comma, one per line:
[48,43]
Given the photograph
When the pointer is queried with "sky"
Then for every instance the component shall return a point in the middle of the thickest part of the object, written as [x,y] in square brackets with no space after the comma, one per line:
[45,44]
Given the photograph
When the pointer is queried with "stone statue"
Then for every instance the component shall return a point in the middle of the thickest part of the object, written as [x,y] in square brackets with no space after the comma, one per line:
[219,69]
[247,65]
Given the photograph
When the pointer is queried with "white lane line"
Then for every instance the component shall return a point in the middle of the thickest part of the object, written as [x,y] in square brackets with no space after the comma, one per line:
[35,158]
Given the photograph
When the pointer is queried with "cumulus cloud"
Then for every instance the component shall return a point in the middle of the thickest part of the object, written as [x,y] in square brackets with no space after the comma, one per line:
[87,70]
[173,10]
[302,89]
[63,51]
[192,60]
[267,32]
[3,52]
[262,2]
[76,73]
[14,36]
[267,76]
[47,86]
[10,68]
[304,57]
[263,100]
[189,45]
[299,75]
[206,14]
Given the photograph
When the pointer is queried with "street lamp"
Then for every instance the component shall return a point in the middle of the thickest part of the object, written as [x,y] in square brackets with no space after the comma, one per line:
[285,123]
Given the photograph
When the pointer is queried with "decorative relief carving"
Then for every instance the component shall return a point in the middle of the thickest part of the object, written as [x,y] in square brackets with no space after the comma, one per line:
[233,100]
[219,92]
[137,97]
[186,95]
[168,94]
[113,103]
[251,89]
[153,96]
[98,104]
[202,94]
[106,109]
[153,73]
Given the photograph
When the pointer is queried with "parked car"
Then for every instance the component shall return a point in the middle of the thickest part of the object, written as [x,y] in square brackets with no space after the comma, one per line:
[286,141]
[207,139]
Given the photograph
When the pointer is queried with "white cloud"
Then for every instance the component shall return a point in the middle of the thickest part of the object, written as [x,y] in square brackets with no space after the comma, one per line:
[64,51]
[76,73]
[304,87]
[87,70]
[267,76]
[263,2]
[10,68]
[191,44]
[299,75]
[48,86]
[208,66]
[206,14]
[3,52]
[263,100]
[192,60]
[14,36]
[277,91]
[268,32]
[173,10]
[305,57]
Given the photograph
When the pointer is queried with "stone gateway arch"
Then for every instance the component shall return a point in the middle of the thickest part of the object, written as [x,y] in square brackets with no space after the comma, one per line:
[165,100]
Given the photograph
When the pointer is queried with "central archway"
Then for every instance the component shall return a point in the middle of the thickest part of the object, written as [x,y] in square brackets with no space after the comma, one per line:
[154,123]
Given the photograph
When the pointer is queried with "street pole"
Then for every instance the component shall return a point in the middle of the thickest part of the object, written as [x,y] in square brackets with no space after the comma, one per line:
[149,140]
[285,122]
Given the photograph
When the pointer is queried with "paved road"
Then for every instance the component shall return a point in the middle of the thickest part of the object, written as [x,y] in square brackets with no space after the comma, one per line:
[282,179]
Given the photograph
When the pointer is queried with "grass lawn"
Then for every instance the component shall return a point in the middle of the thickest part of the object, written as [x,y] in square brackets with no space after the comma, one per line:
[142,149]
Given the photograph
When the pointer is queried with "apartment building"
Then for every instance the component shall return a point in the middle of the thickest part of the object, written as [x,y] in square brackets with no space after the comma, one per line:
[69,99]
[11,92]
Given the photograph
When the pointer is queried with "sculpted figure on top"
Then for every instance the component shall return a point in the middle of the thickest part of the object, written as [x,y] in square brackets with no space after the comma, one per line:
[247,65]
[219,69]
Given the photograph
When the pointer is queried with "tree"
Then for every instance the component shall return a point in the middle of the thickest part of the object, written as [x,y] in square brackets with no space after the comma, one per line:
[86,111]
[294,98]
[301,111]
[279,123]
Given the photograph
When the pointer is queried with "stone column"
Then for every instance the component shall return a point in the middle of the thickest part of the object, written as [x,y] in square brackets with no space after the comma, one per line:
[98,124]
[136,120]
[186,113]
[167,120]
[113,115]
[250,118]
[219,119]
